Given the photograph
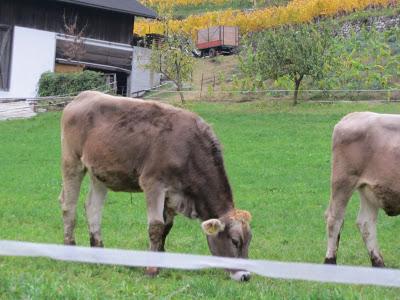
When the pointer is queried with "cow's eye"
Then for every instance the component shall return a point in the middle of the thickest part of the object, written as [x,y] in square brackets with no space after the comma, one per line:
[236,243]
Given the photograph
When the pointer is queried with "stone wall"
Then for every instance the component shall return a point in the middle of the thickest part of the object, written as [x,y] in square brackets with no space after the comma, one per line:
[381,23]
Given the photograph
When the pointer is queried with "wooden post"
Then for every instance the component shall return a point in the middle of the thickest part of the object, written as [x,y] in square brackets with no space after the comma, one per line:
[214,83]
[201,86]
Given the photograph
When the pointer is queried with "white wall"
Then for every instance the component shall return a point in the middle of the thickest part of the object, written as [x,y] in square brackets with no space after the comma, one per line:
[33,53]
[141,78]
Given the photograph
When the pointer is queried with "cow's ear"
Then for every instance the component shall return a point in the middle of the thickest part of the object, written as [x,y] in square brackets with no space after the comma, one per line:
[212,227]
[242,215]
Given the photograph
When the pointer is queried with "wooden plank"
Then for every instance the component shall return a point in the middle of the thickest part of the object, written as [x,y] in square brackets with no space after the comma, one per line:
[209,45]
[230,36]
[62,68]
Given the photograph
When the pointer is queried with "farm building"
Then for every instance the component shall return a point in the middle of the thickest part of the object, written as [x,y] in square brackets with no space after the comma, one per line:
[69,36]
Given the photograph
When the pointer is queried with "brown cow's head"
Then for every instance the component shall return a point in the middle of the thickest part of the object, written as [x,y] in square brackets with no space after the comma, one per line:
[230,236]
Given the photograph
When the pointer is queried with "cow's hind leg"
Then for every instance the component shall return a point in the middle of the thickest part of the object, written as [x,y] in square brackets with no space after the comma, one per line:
[73,173]
[366,222]
[340,196]
[94,207]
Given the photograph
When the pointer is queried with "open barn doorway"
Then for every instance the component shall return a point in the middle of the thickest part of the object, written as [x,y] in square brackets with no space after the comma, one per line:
[118,81]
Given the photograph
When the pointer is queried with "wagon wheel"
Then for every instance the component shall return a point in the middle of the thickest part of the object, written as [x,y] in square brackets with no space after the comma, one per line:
[235,50]
[212,52]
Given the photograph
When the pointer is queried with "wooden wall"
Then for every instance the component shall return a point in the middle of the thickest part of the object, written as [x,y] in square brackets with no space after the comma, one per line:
[48,15]
[62,68]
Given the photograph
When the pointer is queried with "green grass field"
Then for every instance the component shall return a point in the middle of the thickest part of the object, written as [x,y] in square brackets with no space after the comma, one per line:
[278,161]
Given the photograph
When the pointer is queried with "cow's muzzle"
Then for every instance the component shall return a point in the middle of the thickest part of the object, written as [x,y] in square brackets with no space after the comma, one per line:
[240,275]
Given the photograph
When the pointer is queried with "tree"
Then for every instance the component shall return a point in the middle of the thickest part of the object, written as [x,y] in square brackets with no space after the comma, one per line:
[294,51]
[172,57]
[76,49]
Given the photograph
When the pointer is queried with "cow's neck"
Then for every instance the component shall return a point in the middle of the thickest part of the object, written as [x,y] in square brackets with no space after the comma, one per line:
[207,184]
[211,210]
[213,202]
[210,192]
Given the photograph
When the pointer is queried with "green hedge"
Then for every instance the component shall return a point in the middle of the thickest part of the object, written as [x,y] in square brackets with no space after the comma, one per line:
[69,84]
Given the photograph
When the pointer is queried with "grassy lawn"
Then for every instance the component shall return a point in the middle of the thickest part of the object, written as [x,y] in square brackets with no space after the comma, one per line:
[278,161]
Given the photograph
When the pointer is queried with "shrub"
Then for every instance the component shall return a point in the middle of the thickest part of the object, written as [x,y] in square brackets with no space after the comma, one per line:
[68,84]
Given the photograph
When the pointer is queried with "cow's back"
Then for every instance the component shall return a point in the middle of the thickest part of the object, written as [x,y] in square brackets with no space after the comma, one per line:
[367,131]
[366,148]
[119,119]
[118,139]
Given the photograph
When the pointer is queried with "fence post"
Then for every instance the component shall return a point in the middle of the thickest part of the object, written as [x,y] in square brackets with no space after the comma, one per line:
[214,84]
[201,86]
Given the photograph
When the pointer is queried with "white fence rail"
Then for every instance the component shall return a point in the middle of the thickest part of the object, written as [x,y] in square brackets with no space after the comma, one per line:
[282,270]
[25,108]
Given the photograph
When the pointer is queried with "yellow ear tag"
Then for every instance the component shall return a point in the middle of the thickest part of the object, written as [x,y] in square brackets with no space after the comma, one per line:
[212,229]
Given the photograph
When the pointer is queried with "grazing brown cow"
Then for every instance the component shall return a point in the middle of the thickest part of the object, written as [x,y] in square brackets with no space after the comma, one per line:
[170,154]
[366,157]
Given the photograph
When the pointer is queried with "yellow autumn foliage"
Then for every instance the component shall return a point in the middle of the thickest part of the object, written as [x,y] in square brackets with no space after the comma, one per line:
[173,3]
[296,11]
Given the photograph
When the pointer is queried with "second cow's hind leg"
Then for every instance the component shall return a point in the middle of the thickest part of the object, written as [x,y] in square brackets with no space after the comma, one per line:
[94,207]
[73,173]
[366,222]
[340,196]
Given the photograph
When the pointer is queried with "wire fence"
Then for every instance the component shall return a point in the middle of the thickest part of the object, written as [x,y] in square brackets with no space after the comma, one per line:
[316,95]
[58,102]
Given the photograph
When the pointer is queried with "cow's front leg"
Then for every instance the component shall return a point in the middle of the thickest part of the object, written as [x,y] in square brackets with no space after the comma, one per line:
[94,207]
[169,216]
[366,222]
[155,198]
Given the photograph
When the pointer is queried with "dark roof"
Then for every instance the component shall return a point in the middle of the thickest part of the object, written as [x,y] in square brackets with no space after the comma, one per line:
[131,7]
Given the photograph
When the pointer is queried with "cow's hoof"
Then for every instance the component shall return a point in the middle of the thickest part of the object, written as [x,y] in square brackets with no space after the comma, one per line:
[96,243]
[330,261]
[152,271]
[241,276]
[377,262]
[69,242]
